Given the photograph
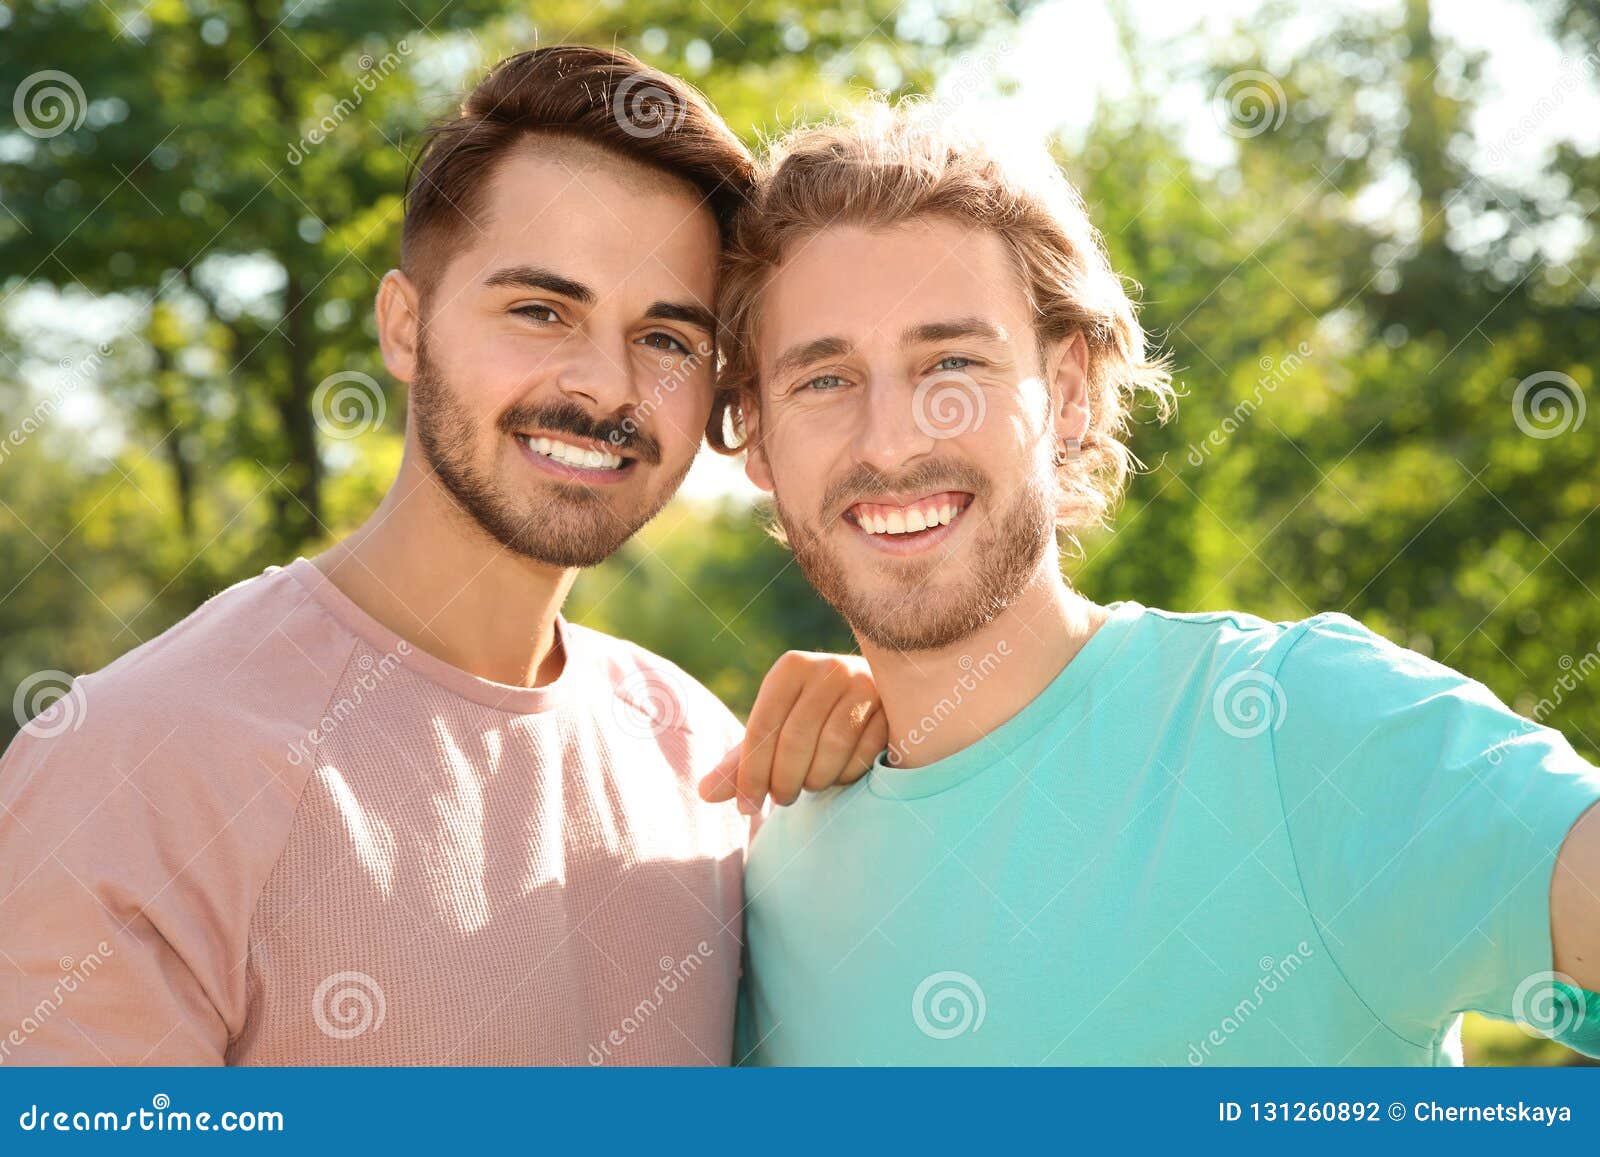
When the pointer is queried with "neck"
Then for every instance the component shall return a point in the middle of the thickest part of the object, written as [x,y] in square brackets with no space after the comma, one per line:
[938,702]
[424,569]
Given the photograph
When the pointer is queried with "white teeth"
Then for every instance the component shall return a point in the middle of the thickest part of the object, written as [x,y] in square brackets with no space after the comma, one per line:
[574,455]
[907,521]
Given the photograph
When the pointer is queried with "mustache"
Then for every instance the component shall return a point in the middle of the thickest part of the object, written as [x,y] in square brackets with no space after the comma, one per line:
[932,475]
[622,432]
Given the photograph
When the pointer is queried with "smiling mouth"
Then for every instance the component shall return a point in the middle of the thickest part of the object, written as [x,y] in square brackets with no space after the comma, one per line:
[581,456]
[923,518]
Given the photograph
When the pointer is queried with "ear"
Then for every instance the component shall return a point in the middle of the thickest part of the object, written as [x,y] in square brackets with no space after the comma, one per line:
[756,466]
[399,313]
[1067,374]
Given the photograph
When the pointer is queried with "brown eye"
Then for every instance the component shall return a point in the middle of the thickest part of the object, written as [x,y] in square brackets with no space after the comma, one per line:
[665,341]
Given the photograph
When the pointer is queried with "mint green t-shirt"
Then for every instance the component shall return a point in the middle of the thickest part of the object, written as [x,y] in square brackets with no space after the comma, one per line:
[1210,840]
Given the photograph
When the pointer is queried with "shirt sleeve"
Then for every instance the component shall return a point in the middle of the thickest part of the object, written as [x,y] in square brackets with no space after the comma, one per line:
[1425,818]
[124,897]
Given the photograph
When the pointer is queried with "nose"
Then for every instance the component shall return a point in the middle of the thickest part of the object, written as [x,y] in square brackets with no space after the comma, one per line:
[890,435]
[598,375]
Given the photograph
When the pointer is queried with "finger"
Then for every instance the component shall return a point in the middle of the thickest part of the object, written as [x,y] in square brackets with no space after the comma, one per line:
[779,691]
[874,738]
[720,784]
[837,743]
[802,732]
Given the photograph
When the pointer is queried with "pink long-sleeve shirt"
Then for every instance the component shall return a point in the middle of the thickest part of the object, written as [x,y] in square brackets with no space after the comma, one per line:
[278,834]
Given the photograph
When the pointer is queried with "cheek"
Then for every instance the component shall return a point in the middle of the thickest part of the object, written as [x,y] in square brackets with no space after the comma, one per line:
[679,421]
[803,452]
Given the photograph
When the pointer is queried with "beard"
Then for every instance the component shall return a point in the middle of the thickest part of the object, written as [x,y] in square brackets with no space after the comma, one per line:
[901,608]
[562,524]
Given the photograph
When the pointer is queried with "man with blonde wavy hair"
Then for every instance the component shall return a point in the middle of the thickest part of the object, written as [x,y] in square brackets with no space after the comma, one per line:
[1103,834]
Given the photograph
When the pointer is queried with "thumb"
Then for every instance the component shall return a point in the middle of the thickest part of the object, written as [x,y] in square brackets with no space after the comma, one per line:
[721,783]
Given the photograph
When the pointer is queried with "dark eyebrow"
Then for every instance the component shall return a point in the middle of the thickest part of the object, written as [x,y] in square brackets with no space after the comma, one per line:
[687,313]
[532,277]
[970,327]
[805,353]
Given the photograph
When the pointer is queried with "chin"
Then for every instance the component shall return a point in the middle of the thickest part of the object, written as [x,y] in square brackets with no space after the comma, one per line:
[919,620]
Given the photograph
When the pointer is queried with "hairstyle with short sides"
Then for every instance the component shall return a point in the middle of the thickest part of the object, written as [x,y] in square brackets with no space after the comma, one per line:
[599,95]
[886,166]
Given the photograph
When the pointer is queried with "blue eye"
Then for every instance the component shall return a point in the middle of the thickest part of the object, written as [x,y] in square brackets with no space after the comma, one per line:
[664,341]
[825,382]
[953,362]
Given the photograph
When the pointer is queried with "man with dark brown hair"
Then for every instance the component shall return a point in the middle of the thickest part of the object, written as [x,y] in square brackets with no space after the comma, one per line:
[386,806]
